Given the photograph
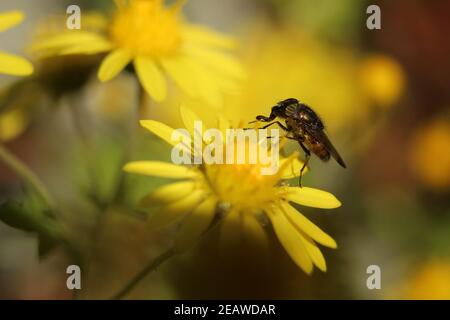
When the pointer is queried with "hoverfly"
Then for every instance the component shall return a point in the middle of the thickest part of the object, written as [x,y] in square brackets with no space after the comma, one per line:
[304,126]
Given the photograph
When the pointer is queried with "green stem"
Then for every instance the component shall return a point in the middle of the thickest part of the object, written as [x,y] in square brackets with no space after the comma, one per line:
[23,171]
[158,261]
[141,275]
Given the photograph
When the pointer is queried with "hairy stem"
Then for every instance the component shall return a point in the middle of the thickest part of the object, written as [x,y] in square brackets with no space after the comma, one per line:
[141,275]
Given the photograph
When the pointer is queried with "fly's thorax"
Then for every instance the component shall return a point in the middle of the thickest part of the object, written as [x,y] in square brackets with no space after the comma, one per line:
[295,128]
[310,118]
[290,123]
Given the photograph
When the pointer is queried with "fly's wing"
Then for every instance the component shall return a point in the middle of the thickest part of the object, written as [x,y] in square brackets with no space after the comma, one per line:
[321,137]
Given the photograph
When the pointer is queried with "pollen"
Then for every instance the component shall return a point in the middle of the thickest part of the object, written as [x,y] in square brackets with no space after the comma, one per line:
[148,28]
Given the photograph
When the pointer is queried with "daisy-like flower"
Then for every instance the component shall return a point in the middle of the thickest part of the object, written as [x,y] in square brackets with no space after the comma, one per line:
[431,281]
[9,63]
[241,191]
[158,43]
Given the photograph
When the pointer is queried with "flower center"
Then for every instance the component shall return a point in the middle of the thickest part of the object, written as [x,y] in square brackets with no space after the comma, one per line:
[243,186]
[146,27]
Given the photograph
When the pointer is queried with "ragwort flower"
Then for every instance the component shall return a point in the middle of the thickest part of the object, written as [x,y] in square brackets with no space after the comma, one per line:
[159,43]
[429,154]
[9,63]
[431,281]
[242,190]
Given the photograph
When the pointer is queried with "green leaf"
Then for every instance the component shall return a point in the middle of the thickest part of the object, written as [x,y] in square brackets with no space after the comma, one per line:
[14,215]
[29,219]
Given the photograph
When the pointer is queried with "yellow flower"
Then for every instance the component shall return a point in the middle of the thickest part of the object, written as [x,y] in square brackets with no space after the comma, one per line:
[430,154]
[282,62]
[382,79]
[159,43]
[431,281]
[12,124]
[23,100]
[12,64]
[242,192]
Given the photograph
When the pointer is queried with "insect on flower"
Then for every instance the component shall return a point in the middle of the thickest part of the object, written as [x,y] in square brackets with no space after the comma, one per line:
[236,196]
[304,126]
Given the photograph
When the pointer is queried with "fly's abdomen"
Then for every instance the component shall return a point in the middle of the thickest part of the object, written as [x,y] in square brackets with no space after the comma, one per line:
[317,148]
[322,153]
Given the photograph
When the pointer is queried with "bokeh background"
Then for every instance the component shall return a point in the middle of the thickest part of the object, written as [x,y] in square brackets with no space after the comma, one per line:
[384,96]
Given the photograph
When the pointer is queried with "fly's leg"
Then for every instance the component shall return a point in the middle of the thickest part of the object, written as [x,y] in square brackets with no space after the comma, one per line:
[264,118]
[287,137]
[270,124]
[276,122]
[307,156]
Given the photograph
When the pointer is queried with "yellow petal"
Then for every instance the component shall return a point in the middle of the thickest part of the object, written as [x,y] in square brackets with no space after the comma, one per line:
[113,64]
[195,224]
[189,117]
[10,19]
[151,78]
[207,85]
[164,132]
[176,210]
[311,197]
[15,65]
[180,70]
[221,62]
[314,252]
[205,36]
[12,123]
[221,76]
[81,49]
[223,123]
[160,169]
[160,129]
[168,193]
[96,21]
[83,41]
[290,240]
[291,168]
[306,226]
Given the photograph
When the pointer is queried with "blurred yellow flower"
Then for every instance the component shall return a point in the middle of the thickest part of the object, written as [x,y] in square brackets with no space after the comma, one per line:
[430,282]
[282,62]
[159,43]
[242,191]
[382,79]
[12,64]
[430,154]
[12,123]
[23,100]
